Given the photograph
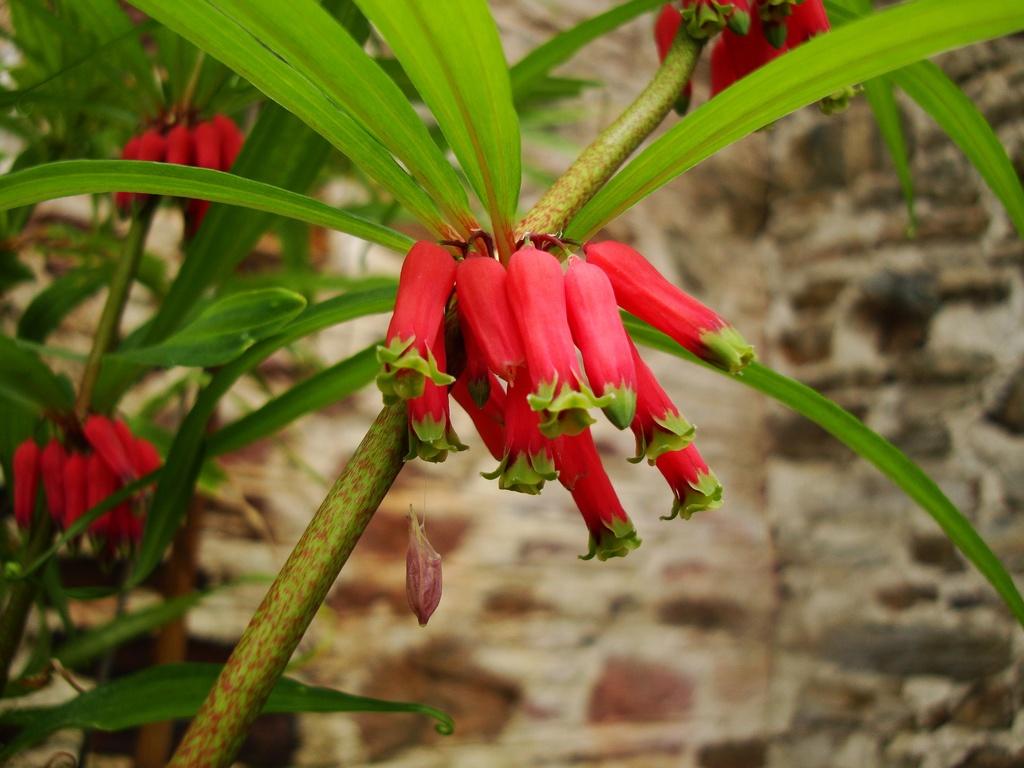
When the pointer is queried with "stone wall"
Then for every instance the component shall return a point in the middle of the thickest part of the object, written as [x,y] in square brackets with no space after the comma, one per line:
[819,618]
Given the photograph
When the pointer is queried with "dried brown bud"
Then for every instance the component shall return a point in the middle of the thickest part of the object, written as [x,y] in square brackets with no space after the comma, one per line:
[422,572]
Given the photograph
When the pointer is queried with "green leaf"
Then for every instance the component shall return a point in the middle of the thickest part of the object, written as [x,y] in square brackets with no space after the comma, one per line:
[174,692]
[28,382]
[531,70]
[217,34]
[89,645]
[52,304]
[311,41]
[856,52]
[880,95]
[223,330]
[318,391]
[185,457]
[956,114]
[78,177]
[889,459]
[452,53]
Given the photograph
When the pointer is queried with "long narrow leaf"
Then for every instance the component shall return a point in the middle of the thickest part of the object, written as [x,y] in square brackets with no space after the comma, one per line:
[529,71]
[856,52]
[26,380]
[174,692]
[889,459]
[881,97]
[78,177]
[186,454]
[319,48]
[318,391]
[452,53]
[210,30]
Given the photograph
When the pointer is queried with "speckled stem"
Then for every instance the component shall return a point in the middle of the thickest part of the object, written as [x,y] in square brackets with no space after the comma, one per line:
[259,659]
[610,149]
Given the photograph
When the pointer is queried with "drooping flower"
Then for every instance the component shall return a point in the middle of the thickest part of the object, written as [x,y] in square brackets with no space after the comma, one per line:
[528,459]
[406,357]
[25,469]
[422,572]
[231,139]
[641,290]
[431,434]
[107,438]
[130,151]
[694,485]
[180,149]
[76,491]
[806,20]
[488,418]
[658,426]
[51,465]
[481,287]
[536,289]
[579,469]
[735,56]
[598,332]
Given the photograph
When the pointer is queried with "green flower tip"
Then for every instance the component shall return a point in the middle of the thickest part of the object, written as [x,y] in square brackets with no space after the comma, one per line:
[431,440]
[564,413]
[616,540]
[404,370]
[622,408]
[837,102]
[672,433]
[527,474]
[704,494]
[705,20]
[727,349]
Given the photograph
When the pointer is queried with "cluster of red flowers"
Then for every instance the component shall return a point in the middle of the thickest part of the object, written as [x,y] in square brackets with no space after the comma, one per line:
[212,144]
[753,32]
[511,359]
[75,481]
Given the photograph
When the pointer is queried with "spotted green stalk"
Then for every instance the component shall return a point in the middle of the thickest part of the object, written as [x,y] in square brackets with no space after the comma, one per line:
[260,657]
[592,169]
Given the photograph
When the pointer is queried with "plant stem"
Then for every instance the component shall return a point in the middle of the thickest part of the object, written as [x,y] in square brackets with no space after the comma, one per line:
[259,659]
[22,594]
[117,297]
[596,164]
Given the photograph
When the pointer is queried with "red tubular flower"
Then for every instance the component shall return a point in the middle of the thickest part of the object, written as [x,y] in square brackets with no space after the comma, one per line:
[736,56]
[231,139]
[152,146]
[179,145]
[480,284]
[75,487]
[807,20]
[536,288]
[51,464]
[489,418]
[527,460]
[407,359]
[706,18]
[643,291]
[598,332]
[207,146]
[579,469]
[695,486]
[145,457]
[25,468]
[123,200]
[475,371]
[431,435]
[114,443]
[658,426]
[100,482]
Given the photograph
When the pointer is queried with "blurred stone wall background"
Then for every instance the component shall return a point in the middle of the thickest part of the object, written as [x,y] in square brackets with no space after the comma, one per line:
[819,618]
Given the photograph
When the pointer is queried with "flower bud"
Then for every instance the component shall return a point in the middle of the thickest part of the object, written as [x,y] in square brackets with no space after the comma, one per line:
[598,332]
[480,284]
[643,291]
[112,442]
[231,139]
[25,469]
[422,572]
[406,358]
[76,491]
[536,288]
[179,145]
